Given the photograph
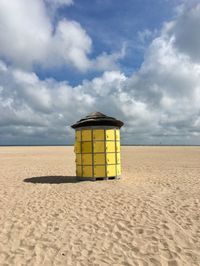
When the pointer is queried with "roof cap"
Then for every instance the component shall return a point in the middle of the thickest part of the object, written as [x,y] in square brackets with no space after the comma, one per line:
[97,119]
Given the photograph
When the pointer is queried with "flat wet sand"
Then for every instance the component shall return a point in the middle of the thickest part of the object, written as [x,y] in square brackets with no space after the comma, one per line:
[151,216]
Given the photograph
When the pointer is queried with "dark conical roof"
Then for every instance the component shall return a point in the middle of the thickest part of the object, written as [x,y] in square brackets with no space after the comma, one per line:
[97,119]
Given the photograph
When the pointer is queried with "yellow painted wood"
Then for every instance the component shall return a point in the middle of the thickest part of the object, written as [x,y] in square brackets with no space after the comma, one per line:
[118,169]
[110,146]
[118,146]
[87,171]
[86,147]
[98,134]
[78,135]
[78,170]
[78,158]
[99,171]
[110,158]
[87,159]
[118,158]
[86,135]
[77,147]
[111,170]
[98,146]
[117,134]
[110,134]
[99,158]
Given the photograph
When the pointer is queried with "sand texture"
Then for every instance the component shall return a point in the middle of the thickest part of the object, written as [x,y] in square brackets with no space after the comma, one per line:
[151,216]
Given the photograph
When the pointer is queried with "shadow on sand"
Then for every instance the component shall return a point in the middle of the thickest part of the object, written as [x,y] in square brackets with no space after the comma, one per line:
[51,179]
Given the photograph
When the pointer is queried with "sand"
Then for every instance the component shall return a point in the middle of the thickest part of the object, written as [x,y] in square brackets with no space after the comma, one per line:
[151,216]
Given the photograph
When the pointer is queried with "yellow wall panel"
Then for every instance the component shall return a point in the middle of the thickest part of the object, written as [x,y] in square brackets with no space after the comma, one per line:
[110,146]
[87,159]
[98,146]
[78,135]
[86,147]
[110,158]
[78,159]
[118,158]
[110,134]
[99,171]
[87,171]
[86,135]
[117,134]
[98,134]
[77,147]
[111,170]
[119,169]
[99,158]
[117,146]
[78,170]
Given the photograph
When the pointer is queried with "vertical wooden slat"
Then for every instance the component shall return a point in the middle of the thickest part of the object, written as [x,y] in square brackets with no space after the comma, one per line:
[81,154]
[106,176]
[92,140]
[115,153]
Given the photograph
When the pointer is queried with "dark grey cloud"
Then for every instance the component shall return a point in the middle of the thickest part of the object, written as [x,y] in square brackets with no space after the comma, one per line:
[186,30]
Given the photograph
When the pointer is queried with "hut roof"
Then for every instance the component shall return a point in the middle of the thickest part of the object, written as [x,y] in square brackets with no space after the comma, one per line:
[97,119]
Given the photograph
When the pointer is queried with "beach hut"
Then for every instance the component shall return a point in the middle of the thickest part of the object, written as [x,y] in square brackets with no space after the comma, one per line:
[97,147]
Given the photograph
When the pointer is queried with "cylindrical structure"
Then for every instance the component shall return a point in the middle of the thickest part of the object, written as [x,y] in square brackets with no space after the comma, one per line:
[97,147]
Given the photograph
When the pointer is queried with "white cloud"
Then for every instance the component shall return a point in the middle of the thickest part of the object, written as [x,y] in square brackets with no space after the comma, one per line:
[25,31]
[185,30]
[29,38]
[46,105]
[70,44]
[107,61]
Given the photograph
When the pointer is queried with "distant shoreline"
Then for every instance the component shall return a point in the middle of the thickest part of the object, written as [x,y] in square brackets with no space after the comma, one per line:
[134,145]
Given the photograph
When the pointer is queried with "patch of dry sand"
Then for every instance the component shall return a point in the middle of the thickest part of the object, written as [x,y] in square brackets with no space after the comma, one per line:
[151,216]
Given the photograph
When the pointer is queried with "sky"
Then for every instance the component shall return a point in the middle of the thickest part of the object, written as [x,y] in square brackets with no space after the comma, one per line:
[135,60]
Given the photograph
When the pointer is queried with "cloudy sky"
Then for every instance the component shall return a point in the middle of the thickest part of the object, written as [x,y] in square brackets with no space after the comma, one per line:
[136,60]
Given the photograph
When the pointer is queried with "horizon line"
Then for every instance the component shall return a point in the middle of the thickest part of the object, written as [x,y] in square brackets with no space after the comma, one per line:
[71,145]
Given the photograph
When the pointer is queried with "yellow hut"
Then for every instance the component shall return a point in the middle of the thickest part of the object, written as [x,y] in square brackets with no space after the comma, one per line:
[97,147]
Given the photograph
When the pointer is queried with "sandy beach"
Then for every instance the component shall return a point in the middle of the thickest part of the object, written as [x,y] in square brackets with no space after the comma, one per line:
[151,216]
